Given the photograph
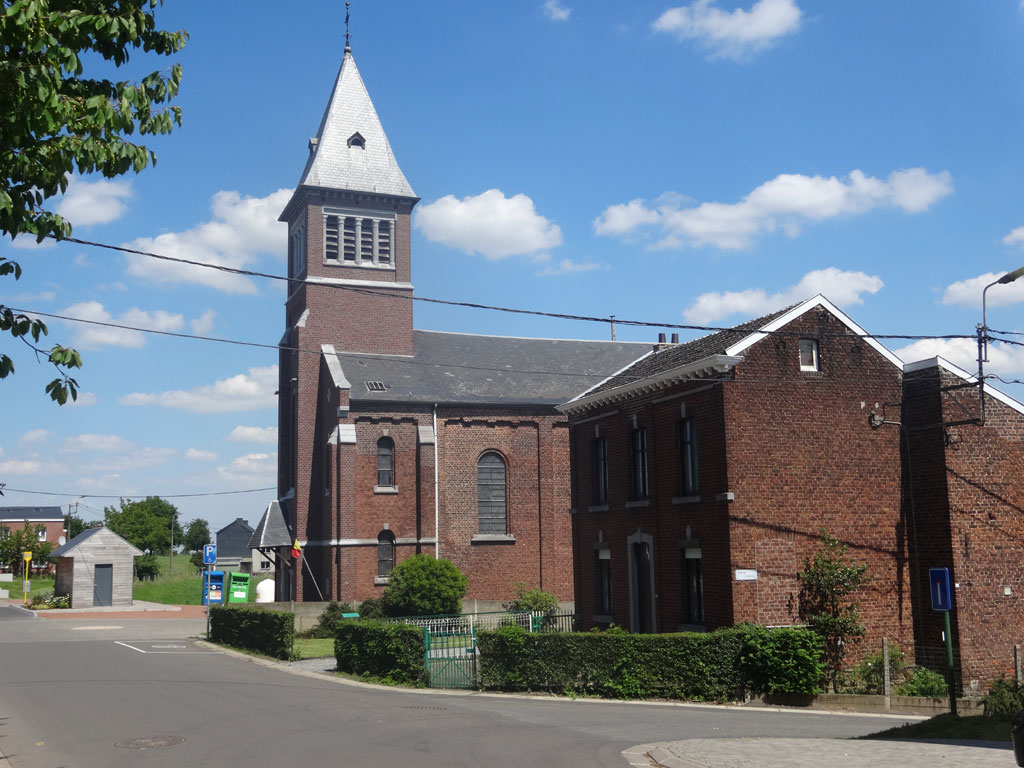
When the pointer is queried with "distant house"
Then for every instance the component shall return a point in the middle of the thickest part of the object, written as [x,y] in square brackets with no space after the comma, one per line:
[48,522]
[96,568]
[234,552]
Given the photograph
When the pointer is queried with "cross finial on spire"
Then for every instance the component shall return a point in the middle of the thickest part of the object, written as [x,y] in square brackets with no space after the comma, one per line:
[348,48]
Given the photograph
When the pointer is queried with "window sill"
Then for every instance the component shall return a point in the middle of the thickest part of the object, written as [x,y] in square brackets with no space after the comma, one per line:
[381,581]
[597,508]
[358,265]
[602,619]
[685,499]
[385,489]
[637,503]
[493,538]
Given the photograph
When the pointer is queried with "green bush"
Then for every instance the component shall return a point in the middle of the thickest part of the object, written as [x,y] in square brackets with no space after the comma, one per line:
[424,586]
[782,660]
[695,666]
[371,608]
[147,568]
[868,677]
[924,682]
[329,619]
[534,601]
[1005,698]
[393,653]
[271,633]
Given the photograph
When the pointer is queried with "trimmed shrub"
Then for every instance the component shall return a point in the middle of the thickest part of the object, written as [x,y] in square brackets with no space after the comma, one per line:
[924,682]
[371,608]
[782,660]
[255,629]
[393,653]
[329,619]
[694,666]
[424,586]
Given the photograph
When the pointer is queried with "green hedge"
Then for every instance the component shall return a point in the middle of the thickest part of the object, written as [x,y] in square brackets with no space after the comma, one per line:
[390,652]
[782,660]
[255,629]
[716,666]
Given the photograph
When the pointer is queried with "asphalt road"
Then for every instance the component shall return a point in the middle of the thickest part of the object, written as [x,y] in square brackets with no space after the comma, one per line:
[89,693]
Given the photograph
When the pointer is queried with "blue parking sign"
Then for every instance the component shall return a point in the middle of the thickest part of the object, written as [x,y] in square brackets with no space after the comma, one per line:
[938,580]
[209,554]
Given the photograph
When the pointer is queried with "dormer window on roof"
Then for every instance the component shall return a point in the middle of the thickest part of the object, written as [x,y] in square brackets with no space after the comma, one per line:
[357,140]
[376,386]
[358,238]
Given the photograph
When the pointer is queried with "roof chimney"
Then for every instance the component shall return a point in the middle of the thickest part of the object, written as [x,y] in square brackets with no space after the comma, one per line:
[663,344]
[675,338]
[661,338]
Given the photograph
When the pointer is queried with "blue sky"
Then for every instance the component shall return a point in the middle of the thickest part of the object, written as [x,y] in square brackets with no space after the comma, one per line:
[698,163]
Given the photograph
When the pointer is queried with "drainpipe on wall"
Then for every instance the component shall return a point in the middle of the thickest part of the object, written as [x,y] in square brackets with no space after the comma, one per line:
[437,505]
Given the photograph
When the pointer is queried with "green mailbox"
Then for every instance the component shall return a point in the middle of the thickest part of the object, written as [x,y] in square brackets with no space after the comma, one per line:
[238,587]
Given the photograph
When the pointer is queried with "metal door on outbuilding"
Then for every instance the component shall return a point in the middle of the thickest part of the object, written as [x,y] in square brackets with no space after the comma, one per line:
[103,584]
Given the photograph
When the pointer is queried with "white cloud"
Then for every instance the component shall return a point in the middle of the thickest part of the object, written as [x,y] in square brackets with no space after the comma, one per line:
[28,243]
[967,293]
[25,298]
[195,454]
[1016,237]
[96,444]
[842,288]
[203,324]
[490,224]
[132,457]
[21,467]
[555,11]
[786,202]
[245,392]
[88,336]
[252,468]
[35,437]
[84,399]
[732,35]
[1003,359]
[241,228]
[623,218]
[93,202]
[569,267]
[253,435]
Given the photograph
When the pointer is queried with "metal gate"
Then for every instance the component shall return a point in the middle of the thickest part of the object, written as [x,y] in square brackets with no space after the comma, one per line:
[451,658]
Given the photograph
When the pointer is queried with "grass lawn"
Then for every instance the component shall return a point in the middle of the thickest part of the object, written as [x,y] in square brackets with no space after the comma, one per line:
[39,585]
[181,586]
[946,726]
[314,647]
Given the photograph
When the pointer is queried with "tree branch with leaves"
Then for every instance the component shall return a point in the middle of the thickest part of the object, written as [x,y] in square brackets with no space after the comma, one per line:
[55,120]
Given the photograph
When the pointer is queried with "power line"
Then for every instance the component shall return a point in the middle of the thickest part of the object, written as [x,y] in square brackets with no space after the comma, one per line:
[467,304]
[139,495]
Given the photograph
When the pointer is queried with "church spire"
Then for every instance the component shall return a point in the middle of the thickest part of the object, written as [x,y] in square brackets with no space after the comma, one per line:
[351,151]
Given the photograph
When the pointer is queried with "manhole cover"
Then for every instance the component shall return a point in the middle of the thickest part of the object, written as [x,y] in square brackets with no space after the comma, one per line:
[427,707]
[149,742]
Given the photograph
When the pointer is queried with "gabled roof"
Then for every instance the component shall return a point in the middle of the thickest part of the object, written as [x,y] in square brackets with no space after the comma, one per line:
[68,549]
[35,514]
[238,522]
[272,530]
[335,162]
[709,355]
[469,368]
[956,370]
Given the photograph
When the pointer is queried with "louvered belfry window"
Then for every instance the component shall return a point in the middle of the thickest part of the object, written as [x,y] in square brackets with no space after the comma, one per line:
[359,240]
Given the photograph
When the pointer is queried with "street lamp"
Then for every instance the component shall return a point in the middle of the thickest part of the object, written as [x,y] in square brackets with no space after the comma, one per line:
[1009,277]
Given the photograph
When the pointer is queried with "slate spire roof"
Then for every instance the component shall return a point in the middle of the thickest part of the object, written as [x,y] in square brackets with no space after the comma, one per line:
[351,150]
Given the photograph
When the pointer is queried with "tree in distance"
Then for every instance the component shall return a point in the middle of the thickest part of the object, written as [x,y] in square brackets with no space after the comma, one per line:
[54,120]
[145,524]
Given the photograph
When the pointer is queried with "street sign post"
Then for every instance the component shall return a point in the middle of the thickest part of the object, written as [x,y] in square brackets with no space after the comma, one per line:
[209,554]
[942,600]
[209,558]
[27,586]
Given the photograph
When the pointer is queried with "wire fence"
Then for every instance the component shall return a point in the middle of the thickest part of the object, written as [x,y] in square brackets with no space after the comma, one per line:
[531,621]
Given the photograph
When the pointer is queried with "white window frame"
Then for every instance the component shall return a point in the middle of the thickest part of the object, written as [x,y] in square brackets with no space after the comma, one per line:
[41,533]
[812,345]
[380,257]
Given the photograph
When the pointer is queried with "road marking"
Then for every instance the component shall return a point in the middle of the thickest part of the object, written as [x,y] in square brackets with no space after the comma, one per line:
[88,629]
[151,647]
[126,645]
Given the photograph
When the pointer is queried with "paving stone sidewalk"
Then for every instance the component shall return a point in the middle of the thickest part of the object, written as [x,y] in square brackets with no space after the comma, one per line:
[814,753]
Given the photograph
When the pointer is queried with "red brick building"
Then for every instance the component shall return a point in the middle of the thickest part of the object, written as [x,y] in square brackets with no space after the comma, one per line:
[968,515]
[394,441]
[705,473]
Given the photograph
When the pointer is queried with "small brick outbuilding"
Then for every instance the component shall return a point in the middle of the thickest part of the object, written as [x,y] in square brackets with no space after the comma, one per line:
[96,568]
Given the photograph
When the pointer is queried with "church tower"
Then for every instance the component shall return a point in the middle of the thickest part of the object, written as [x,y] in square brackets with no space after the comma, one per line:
[349,253]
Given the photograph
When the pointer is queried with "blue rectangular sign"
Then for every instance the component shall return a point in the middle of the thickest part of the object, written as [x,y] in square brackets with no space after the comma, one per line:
[938,580]
[209,554]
